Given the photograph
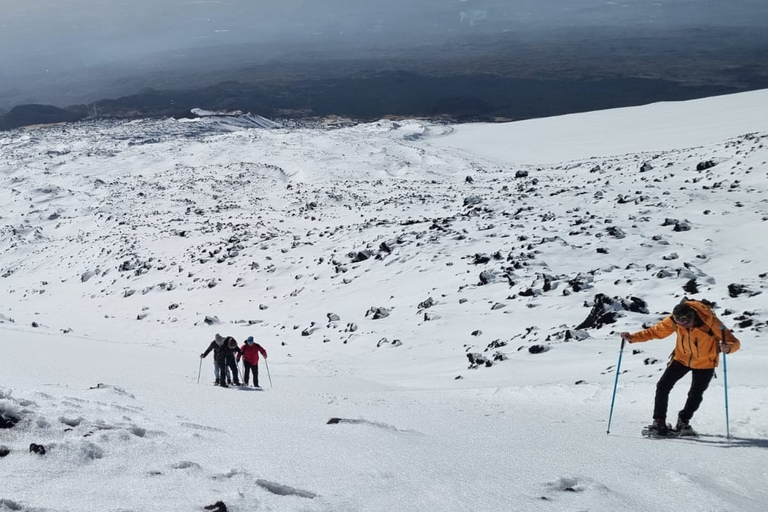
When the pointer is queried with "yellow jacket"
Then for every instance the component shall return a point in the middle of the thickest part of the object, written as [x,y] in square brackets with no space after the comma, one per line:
[696,347]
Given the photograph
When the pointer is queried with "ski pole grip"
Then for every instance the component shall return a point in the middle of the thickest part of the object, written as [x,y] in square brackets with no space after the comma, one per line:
[722,337]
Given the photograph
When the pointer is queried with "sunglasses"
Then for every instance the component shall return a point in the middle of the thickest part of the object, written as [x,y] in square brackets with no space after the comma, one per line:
[683,319]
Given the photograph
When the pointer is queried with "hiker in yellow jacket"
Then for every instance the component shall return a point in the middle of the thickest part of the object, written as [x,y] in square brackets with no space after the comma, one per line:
[699,343]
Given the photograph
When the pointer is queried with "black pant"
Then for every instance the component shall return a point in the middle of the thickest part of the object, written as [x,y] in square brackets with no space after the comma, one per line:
[674,372]
[232,364]
[248,368]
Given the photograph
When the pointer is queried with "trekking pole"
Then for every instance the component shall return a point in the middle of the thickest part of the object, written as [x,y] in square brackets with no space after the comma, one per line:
[725,383]
[199,370]
[615,385]
[268,375]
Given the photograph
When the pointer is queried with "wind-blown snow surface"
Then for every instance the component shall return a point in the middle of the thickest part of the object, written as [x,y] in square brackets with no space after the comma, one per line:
[374,266]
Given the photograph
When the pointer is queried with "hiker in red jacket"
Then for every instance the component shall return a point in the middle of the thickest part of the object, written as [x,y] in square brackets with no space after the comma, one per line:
[250,351]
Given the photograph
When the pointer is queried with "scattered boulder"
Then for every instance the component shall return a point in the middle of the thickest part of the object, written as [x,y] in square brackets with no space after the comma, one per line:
[211,320]
[360,256]
[480,258]
[691,287]
[679,225]
[219,506]
[575,335]
[377,313]
[607,310]
[472,200]
[734,290]
[427,303]
[37,448]
[706,164]
[385,341]
[487,276]
[538,349]
[8,420]
[476,360]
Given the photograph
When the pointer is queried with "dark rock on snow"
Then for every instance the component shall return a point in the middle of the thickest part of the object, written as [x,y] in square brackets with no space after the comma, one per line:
[37,448]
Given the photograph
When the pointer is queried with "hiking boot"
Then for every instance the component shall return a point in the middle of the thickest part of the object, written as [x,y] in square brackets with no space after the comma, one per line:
[684,428]
[659,427]
[223,385]
[216,382]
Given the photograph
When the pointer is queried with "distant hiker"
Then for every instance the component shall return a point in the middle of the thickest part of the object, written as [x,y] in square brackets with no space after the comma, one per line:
[219,360]
[230,348]
[250,351]
[697,350]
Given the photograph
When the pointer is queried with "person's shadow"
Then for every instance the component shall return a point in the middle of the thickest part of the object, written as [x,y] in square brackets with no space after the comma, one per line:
[724,442]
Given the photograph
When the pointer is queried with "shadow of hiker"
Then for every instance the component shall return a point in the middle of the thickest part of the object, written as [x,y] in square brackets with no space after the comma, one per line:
[724,442]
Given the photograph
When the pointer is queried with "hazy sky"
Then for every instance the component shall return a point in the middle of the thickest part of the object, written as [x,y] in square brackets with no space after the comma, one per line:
[39,36]
[84,32]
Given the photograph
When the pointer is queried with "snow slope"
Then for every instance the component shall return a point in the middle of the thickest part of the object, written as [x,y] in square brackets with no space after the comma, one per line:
[655,127]
[455,368]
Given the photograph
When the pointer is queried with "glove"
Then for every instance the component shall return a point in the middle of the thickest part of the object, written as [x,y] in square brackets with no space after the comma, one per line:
[625,336]
[202,356]
[725,348]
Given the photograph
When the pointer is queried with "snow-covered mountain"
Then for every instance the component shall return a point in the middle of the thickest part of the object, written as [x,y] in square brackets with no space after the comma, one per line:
[428,285]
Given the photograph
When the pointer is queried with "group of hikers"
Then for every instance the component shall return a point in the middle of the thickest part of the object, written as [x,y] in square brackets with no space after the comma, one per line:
[226,356]
[701,338]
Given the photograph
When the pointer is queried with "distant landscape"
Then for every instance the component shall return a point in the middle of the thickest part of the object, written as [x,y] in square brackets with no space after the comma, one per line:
[488,78]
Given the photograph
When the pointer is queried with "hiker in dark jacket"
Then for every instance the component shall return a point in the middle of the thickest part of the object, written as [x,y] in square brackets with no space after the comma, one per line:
[250,352]
[219,359]
[230,349]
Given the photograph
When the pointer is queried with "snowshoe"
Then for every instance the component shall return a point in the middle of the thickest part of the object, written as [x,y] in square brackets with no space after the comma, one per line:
[684,429]
[659,429]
